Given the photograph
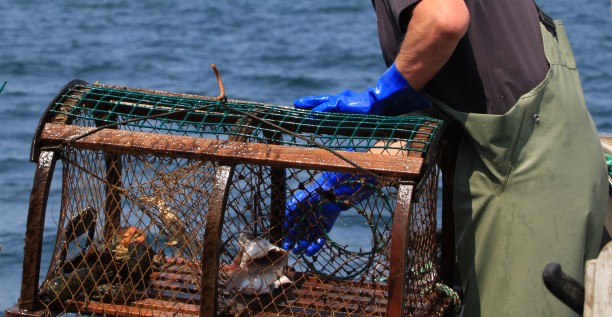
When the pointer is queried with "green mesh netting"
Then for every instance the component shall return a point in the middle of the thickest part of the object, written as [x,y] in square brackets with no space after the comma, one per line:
[158,112]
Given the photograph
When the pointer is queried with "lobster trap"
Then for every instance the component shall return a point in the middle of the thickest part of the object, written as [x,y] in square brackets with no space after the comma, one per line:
[175,204]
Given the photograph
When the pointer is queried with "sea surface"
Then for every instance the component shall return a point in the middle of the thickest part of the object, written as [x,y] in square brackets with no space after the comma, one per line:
[270,51]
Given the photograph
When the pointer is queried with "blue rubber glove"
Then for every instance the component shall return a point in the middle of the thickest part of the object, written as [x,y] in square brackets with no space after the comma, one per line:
[312,212]
[392,96]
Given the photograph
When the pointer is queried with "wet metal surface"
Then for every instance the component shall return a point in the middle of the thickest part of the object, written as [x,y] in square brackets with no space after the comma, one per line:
[34,231]
[399,245]
[231,152]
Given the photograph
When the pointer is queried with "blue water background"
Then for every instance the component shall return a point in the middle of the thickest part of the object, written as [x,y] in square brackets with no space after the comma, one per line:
[270,51]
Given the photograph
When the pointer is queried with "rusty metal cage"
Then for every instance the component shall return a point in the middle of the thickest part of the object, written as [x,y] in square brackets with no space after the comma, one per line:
[175,204]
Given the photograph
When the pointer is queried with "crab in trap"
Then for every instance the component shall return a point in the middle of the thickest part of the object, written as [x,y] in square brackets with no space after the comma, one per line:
[112,271]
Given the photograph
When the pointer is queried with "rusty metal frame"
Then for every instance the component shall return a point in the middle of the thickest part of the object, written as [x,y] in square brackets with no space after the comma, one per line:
[53,133]
[227,151]
[48,116]
[212,232]
[212,237]
[400,236]
[28,300]
[232,152]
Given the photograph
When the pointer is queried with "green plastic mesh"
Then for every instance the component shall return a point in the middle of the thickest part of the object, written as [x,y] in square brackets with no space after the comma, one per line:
[190,115]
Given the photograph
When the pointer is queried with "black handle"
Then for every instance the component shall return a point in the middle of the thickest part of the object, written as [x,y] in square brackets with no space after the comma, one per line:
[564,287]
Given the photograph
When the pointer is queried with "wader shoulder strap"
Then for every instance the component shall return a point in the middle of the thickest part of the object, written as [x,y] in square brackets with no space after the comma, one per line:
[548,22]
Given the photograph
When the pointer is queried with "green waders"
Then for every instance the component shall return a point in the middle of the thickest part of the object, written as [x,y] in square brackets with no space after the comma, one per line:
[530,188]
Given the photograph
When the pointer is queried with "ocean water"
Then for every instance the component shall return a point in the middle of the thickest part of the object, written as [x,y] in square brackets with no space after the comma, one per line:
[270,51]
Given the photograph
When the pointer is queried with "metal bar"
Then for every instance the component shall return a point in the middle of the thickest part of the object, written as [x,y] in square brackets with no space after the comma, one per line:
[229,152]
[400,235]
[49,116]
[112,201]
[28,299]
[112,185]
[278,184]
[212,234]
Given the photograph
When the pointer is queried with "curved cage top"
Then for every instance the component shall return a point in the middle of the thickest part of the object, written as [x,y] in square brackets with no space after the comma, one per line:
[170,113]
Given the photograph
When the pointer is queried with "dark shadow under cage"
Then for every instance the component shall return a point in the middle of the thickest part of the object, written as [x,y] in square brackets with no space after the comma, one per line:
[177,204]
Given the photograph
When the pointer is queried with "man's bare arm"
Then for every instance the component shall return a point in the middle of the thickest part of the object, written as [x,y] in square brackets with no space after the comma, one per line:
[435,28]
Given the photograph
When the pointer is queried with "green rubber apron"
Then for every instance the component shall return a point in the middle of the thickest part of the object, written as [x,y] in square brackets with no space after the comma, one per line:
[530,188]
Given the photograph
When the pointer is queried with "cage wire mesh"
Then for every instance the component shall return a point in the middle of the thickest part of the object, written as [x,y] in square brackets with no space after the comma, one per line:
[132,226]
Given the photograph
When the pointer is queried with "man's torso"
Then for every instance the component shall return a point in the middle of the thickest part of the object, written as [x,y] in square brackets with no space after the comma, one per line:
[500,58]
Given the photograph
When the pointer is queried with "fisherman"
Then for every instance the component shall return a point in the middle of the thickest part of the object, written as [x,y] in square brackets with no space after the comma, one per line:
[530,183]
